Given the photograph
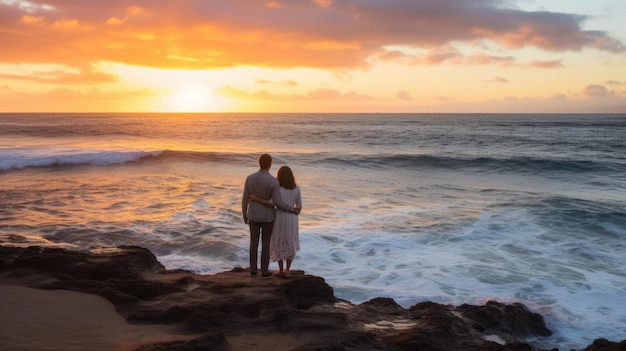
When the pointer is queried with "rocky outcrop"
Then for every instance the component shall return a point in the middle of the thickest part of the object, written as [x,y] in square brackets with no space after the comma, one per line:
[234,303]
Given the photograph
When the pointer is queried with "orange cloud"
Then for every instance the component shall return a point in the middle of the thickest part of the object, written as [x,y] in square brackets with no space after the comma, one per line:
[274,5]
[319,33]
[285,82]
[114,21]
[71,100]
[323,3]
[66,24]
[32,20]
[84,76]
[134,10]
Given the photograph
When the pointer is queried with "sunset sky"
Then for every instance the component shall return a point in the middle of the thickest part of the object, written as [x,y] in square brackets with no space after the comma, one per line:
[313,56]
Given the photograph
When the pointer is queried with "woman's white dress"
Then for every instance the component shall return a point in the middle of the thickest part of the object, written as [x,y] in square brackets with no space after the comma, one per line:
[285,240]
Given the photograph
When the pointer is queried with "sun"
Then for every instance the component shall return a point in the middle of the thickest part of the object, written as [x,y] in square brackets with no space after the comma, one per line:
[190,99]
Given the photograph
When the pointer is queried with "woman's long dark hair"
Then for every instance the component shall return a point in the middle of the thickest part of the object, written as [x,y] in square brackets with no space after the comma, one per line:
[285,178]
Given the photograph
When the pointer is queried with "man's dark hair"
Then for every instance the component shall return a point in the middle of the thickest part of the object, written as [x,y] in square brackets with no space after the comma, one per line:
[265,161]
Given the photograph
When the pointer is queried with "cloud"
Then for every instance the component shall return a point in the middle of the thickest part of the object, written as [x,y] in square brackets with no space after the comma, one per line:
[76,100]
[32,20]
[553,103]
[94,94]
[323,3]
[331,94]
[311,33]
[27,6]
[498,80]
[315,95]
[615,82]
[287,82]
[594,90]
[274,5]
[443,55]
[547,64]
[404,95]
[60,76]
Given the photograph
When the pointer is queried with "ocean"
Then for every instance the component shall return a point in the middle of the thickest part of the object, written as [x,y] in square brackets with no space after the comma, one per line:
[449,208]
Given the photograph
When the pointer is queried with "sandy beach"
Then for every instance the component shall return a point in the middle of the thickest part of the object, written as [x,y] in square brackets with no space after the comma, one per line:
[35,319]
[63,320]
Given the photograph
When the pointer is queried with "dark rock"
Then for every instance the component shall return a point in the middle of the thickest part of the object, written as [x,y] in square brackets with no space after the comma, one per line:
[497,318]
[214,342]
[605,345]
[308,291]
[234,303]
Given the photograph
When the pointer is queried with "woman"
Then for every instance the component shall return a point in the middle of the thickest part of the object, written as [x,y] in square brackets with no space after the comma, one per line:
[285,241]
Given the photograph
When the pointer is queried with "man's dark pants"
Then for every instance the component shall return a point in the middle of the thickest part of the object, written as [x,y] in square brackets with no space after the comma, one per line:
[261,231]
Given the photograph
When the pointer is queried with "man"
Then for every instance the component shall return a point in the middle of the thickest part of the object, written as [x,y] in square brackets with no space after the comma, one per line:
[259,217]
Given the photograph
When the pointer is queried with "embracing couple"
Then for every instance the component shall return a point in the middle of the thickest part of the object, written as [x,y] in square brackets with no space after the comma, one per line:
[271,207]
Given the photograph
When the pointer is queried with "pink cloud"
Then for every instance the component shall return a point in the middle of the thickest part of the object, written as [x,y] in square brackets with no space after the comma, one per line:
[404,95]
[594,90]
[319,94]
[547,64]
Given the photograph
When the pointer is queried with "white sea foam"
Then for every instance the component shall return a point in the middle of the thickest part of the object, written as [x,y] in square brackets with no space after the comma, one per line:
[502,257]
[199,264]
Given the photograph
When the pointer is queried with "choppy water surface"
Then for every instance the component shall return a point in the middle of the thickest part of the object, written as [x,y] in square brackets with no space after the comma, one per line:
[447,208]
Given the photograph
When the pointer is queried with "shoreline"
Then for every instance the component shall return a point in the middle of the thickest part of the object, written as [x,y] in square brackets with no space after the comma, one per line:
[123,299]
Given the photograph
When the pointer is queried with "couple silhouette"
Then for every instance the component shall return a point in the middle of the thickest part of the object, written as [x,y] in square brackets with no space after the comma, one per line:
[270,206]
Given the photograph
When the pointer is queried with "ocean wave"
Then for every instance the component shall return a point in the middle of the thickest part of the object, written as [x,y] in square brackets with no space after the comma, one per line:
[204,156]
[390,162]
[60,158]
[71,158]
[479,164]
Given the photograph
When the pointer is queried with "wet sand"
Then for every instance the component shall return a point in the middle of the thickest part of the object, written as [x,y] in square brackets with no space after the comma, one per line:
[35,319]
[51,320]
